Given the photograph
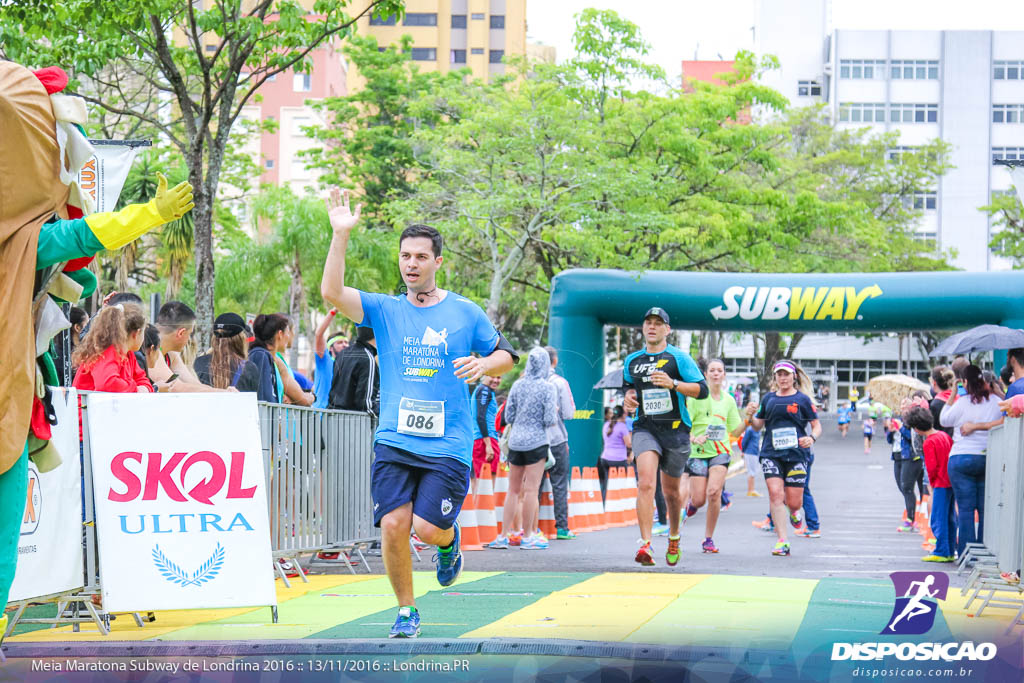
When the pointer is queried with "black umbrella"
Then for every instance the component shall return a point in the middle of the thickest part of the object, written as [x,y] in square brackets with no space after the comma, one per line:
[980,338]
[613,380]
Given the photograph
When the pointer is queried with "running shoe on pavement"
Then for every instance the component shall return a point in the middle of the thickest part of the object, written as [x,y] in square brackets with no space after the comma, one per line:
[708,546]
[449,562]
[753,494]
[688,511]
[937,558]
[1008,577]
[500,543]
[906,527]
[565,535]
[809,533]
[659,529]
[672,555]
[781,548]
[515,538]
[763,524]
[535,542]
[796,519]
[645,555]
[407,625]
[728,501]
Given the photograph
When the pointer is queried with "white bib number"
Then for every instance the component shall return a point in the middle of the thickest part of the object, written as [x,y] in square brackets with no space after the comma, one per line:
[783,438]
[657,401]
[897,442]
[421,418]
[716,432]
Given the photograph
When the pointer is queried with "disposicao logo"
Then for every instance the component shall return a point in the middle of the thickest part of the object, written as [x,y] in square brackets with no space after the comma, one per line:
[914,612]
[796,303]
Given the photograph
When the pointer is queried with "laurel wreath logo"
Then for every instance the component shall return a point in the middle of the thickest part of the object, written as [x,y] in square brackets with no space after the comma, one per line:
[175,574]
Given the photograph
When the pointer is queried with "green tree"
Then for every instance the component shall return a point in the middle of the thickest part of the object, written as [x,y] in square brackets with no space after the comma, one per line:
[368,144]
[1006,213]
[281,267]
[207,63]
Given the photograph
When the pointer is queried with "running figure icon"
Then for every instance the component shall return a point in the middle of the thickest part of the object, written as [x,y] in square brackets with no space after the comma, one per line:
[916,606]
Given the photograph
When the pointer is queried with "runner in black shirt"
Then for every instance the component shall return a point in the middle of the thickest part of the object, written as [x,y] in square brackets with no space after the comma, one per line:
[791,427]
[658,379]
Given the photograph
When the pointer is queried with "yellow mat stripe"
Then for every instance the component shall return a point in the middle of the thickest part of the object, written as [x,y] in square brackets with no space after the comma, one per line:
[581,612]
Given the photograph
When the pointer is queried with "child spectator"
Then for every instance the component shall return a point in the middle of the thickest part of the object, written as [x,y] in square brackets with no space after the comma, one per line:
[106,356]
[936,457]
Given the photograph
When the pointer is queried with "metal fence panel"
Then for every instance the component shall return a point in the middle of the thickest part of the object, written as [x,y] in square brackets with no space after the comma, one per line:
[317,465]
[1004,495]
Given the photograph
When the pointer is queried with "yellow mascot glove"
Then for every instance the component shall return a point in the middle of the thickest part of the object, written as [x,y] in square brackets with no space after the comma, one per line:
[174,203]
[117,228]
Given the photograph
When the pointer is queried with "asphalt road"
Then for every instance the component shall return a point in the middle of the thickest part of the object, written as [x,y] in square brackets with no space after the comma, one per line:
[858,504]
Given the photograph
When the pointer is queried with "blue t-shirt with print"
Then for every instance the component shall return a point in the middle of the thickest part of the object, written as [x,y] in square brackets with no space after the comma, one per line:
[844,414]
[323,374]
[416,348]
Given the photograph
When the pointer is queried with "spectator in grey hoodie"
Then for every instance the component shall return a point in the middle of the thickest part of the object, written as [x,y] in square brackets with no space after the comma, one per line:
[558,437]
[531,409]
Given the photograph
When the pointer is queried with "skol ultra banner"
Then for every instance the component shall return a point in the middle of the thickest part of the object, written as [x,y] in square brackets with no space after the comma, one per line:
[181,505]
[50,545]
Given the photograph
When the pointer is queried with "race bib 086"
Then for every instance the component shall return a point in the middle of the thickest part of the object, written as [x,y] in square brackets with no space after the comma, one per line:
[421,418]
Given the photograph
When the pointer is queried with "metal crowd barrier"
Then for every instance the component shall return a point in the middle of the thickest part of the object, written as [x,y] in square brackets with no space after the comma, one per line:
[317,468]
[1002,547]
[317,472]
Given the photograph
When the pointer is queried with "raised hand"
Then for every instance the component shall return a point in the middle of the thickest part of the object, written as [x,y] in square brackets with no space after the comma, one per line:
[341,216]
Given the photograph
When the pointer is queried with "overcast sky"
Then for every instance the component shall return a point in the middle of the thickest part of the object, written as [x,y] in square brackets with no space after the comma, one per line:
[679,29]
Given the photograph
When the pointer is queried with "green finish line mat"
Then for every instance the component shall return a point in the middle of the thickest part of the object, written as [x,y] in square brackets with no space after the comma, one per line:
[628,607]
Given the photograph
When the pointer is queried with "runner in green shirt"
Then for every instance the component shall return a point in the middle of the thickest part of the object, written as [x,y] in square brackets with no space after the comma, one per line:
[715,418]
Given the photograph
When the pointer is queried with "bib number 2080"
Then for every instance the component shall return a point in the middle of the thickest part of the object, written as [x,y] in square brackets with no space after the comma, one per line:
[421,418]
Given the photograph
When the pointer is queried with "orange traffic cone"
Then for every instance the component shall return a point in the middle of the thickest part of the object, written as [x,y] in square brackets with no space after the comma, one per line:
[546,513]
[467,525]
[613,498]
[486,521]
[500,492]
[594,495]
[629,500]
[577,502]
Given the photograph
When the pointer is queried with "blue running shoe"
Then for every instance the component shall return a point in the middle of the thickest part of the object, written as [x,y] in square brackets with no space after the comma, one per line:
[449,564]
[535,542]
[500,543]
[407,625]
[659,529]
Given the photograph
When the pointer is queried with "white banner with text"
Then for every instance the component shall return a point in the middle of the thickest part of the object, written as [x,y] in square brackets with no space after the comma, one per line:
[181,503]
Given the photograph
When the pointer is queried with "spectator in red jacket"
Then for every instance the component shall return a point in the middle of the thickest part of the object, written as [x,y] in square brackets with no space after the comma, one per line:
[106,356]
[936,456]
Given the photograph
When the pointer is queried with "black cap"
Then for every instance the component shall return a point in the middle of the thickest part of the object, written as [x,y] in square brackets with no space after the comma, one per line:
[660,312]
[228,325]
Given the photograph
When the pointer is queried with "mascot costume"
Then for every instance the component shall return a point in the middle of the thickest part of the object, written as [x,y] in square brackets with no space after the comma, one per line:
[48,234]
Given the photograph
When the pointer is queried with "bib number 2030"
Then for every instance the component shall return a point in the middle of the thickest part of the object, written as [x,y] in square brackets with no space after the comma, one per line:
[421,418]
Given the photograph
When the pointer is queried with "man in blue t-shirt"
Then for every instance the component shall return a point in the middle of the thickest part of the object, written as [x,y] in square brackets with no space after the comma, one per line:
[1015,358]
[324,351]
[426,339]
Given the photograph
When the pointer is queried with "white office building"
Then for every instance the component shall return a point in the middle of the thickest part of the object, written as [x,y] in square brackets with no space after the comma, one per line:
[965,87]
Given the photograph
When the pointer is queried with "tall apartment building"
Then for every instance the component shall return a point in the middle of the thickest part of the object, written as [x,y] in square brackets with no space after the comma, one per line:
[453,34]
[964,87]
[447,34]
